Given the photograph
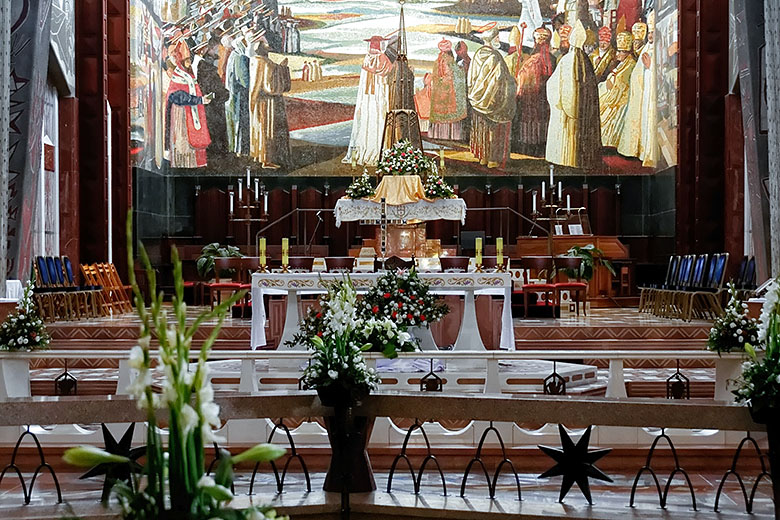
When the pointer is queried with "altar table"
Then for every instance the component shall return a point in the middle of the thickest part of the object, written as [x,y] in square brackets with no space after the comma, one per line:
[294,284]
[350,210]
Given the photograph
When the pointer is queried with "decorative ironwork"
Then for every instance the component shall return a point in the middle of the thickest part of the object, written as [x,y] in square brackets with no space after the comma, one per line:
[429,457]
[478,460]
[575,463]
[218,454]
[27,492]
[431,382]
[294,455]
[554,384]
[65,383]
[733,471]
[678,386]
[662,496]
[117,472]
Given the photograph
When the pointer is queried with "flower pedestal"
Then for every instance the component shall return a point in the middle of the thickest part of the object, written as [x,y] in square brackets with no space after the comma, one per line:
[350,470]
[727,371]
[425,336]
[14,378]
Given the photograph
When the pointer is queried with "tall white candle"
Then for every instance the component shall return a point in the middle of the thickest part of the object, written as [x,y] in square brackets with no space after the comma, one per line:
[231,202]
[560,190]
[533,201]
[240,190]
[247,178]
[568,202]
[265,202]
[552,168]
[543,197]
[257,188]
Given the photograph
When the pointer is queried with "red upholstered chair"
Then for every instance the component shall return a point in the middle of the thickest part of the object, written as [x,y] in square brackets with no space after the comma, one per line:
[339,264]
[216,287]
[454,264]
[575,287]
[542,265]
[300,264]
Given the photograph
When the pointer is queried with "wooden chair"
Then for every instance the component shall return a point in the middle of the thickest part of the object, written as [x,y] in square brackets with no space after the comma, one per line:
[93,293]
[44,294]
[300,264]
[92,278]
[79,301]
[339,264]
[234,264]
[116,292]
[540,264]
[576,287]
[647,294]
[454,264]
[491,262]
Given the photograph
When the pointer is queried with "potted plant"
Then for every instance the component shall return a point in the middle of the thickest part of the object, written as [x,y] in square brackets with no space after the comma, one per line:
[175,484]
[362,187]
[205,262]
[591,256]
[759,383]
[22,330]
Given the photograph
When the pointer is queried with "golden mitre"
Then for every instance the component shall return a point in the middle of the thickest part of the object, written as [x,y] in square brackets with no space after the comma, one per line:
[639,30]
[624,41]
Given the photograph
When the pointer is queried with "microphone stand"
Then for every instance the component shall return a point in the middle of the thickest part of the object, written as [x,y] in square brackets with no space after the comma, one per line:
[309,244]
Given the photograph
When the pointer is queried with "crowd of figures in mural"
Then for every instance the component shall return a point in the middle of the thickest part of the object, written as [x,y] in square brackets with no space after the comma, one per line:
[507,84]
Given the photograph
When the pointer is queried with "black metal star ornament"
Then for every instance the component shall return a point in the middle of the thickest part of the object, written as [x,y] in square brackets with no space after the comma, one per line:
[116,472]
[575,463]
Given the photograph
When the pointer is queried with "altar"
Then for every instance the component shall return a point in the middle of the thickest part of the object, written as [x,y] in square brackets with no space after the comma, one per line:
[468,284]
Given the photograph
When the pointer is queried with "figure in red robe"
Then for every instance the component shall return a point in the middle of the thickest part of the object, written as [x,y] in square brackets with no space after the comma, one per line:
[187,134]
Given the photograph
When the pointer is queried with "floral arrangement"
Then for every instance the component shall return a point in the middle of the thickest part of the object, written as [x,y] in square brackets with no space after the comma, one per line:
[337,364]
[403,159]
[24,329]
[376,333]
[436,188]
[361,187]
[731,331]
[759,384]
[176,484]
[404,298]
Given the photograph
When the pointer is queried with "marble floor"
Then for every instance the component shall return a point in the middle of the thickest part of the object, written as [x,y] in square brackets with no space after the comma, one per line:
[540,498]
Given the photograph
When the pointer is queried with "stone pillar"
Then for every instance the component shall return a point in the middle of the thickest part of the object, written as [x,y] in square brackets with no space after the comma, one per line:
[5,114]
[772,67]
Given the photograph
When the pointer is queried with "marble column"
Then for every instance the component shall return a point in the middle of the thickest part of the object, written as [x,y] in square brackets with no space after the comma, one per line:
[5,114]
[772,67]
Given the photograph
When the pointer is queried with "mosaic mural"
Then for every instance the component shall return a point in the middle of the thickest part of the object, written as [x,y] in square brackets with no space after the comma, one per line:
[504,87]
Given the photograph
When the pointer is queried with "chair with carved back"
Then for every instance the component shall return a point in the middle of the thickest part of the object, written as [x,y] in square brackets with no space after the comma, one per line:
[491,262]
[576,287]
[45,296]
[543,266]
[339,264]
[454,264]
[77,298]
[300,264]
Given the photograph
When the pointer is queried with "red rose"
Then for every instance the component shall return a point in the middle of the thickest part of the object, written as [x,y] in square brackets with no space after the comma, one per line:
[409,316]
[375,309]
[394,314]
[412,297]
[422,317]
[387,295]
[319,334]
[400,305]
[400,291]
[319,315]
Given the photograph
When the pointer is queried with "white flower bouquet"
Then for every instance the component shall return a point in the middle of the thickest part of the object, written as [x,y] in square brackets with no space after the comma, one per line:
[24,328]
[176,484]
[730,332]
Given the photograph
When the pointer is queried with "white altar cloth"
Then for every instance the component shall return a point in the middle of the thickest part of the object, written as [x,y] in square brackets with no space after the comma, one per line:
[293,284]
[350,210]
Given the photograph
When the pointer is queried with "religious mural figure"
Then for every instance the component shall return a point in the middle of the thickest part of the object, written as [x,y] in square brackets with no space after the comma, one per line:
[491,92]
[603,58]
[270,136]
[574,135]
[639,137]
[187,129]
[614,92]
[639,32]
[529,129]
[373,103]
[237,105]
[207,72]
[448,96]
[422,103]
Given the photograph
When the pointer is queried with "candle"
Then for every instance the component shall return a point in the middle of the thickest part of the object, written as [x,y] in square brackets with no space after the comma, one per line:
[552,168]
[499,252]
[441,158]
[543,197]
[568,203]
[261,250]
[560,190]
[240,188]
[257,188]
[533,201]
[247,178]
[231,202]
[265,201]
[285,250]
[478,245]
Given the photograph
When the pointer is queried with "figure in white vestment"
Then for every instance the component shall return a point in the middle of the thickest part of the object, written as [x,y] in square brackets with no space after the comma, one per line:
[373,103]
[639,138]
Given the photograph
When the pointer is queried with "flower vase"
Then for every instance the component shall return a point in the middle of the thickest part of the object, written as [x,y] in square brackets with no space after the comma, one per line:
[350,469]
[768,416]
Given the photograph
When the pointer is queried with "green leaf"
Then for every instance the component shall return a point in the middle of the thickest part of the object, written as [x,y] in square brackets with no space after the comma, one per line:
[217,492]
[89,456]
[259,453]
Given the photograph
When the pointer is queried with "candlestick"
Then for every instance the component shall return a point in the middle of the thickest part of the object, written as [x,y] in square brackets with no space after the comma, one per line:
[500,253]
[261,250]
[533,201]
[560,190]
[552,168]
[441,159]
[240,192]
[543,197]
[568,203]
[231,202]
[478,255]
[285,250]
